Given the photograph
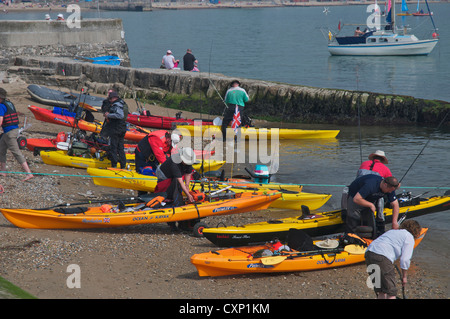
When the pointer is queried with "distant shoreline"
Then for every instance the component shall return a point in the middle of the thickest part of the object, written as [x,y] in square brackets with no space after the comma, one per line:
[184,5]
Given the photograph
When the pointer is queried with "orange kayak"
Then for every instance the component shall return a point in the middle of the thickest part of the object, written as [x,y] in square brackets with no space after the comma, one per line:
[45,115]
[244,260]
[134,214]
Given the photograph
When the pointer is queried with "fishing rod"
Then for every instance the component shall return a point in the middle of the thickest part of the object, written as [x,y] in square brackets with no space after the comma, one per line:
[423,148]
[209,78]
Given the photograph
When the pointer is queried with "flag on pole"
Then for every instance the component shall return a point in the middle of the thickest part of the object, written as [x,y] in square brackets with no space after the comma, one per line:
[236,123]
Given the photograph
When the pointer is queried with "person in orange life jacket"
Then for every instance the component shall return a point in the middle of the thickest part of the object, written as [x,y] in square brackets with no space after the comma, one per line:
[115,128]
[171,173]
[9,120]
[377,165]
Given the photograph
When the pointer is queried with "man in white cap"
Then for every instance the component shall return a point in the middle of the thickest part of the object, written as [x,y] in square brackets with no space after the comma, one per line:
[174,175]
[168,61]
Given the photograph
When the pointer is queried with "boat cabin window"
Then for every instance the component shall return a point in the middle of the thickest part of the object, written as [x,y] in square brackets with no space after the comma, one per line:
[383,40]
[373,40]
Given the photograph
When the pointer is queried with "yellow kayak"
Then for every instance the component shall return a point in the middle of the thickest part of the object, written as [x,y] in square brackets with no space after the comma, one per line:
[61,158]
[253,133]
[118,178]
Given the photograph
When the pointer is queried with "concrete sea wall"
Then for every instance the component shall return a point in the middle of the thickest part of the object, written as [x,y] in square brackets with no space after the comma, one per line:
[200,92]
[91,38]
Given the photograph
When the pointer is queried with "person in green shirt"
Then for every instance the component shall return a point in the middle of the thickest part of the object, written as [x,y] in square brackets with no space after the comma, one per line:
[235,96]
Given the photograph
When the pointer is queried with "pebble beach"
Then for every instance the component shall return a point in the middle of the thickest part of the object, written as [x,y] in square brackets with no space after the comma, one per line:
[141,262]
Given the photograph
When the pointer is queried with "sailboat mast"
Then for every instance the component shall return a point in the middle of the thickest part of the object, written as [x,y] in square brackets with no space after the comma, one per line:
[393,15]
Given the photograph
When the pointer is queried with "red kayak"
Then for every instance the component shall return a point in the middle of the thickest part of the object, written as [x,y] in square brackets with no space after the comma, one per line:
[162,122]
[66,119]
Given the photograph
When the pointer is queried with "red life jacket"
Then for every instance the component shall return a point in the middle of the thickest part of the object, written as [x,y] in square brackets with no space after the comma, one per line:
[11,117]
[148,145]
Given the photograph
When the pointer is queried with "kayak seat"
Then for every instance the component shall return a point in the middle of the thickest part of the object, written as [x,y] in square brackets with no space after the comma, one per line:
[367,229]
[71,210]
[299,240]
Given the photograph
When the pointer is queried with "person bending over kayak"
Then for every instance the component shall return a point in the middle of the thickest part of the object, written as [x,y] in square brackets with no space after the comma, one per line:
[154,149]
[171,174]
[363,193]
[386,249]
[377,165]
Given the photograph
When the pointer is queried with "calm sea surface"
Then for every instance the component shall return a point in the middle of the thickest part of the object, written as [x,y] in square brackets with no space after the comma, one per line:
[287,45]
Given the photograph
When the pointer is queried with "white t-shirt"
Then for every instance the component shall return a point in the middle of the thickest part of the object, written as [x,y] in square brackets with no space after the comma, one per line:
[394,244]
[168,61]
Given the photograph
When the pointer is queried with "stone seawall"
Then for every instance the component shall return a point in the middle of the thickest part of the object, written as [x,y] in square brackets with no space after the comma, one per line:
[200,92]
[93,37]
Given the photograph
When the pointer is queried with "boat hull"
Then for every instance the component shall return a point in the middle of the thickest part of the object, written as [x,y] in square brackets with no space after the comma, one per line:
[161,122]
[314,225]
[45,115]
[236,261]
[95,218]
[52,97]
[421,47]
[61,158]
[118,178]
[256,133]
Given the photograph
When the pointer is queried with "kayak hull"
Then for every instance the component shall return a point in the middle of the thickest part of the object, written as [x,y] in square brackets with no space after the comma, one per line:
[45,115]
[61,158]
[236,261]
[161,122]
[52,97]
[93,217]
[314,225]
[254,133]
[118,178]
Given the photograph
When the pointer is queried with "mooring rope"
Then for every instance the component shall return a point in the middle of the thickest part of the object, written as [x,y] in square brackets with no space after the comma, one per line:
[146,178]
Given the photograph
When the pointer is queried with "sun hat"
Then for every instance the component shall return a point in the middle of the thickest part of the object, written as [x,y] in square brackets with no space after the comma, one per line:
[169,52]
[380,154]
[327,244]
[187,155]
[175,139]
